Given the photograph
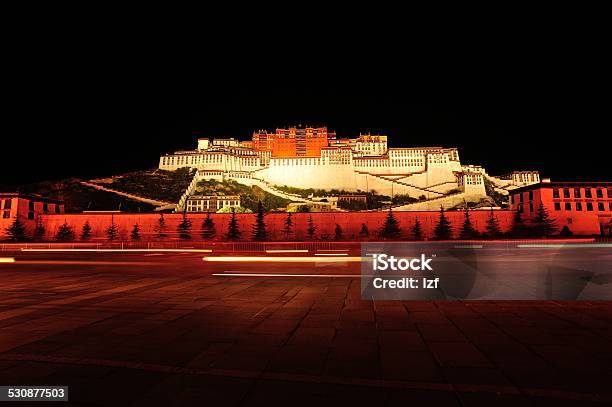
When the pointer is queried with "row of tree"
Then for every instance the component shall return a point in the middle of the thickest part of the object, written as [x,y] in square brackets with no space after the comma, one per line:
[542,225]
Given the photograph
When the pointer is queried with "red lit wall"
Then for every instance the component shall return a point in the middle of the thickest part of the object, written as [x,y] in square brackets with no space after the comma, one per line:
[284,147]
[590,220]
[292,142]
[350,222]
[27,209]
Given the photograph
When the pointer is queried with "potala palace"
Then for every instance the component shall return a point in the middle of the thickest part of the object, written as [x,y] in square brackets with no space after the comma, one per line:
[316,158]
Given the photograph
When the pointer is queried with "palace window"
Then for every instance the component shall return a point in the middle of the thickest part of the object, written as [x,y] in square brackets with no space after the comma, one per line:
[530,206]
[576,192]
[531,195]
[609,192]
[589,206]
[566,193]
[521,197]
[587,193]
[555,193]
[610,206]
[568,206]
[578,206]
[6,215]
[557,206]
[600,206]
[599,193]
[31,205]
[7,203]
[45,208]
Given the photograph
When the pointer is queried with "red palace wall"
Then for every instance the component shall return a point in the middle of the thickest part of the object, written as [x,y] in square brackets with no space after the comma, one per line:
[582,222]
[350,222]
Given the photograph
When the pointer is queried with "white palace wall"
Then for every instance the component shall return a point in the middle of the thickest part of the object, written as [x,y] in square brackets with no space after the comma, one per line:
[330,176]
[422,171]
[320,173]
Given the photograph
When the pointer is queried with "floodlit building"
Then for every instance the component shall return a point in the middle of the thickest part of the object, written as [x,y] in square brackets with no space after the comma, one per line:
[28,208]
[211,203]
[584,207]
[27,205]
[315,158]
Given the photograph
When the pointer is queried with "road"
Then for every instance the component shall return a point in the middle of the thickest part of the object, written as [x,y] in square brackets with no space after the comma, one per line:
[167,328]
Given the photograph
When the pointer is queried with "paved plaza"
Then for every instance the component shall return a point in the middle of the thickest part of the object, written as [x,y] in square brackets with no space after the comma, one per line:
[147,329]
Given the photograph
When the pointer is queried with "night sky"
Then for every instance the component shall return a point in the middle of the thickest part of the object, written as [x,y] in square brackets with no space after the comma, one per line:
[94,122]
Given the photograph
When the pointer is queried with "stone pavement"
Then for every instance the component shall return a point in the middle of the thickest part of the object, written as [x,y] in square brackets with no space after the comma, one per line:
[168,333]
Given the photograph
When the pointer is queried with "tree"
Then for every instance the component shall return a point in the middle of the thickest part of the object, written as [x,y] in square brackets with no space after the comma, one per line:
[338,233]
[417,232]
[17,231]
[86,231]
[208,227]
[544,225]
[443,229]
[288,227]
[364,232]
[112,232]
[135,235]
[493,229]
[39,230]
[519,229]
[467,230]
[566,232]
[312,228]
[390,229]
[233,231]
[64,233]
[161,227]
[259,232]
[184,228]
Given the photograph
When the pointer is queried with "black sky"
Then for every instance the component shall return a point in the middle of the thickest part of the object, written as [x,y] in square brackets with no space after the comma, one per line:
[90,117]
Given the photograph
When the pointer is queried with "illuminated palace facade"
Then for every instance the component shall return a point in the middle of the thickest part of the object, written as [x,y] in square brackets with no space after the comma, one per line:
[317,158]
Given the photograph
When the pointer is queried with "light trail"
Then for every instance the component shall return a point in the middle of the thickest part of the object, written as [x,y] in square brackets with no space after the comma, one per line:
[82,262]
[302,259]
[7,260]
[565,246]
[226,274]
[331,254]
[121,250]
[286,251]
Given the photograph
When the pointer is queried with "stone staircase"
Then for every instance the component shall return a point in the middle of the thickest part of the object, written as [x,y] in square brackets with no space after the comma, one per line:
[134,197]
[426,202]
[271,189]
[420,189]
[181,205]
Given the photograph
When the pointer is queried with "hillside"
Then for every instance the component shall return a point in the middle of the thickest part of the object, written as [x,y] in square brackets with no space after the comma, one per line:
[249,196]
[78,197]
[158,184]
[154,184]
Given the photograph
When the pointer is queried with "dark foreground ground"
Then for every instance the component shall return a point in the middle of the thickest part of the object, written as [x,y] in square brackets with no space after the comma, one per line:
[160,329]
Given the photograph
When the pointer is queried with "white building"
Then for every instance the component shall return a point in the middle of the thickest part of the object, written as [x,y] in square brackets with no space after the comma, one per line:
[211,203]
[361,164]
